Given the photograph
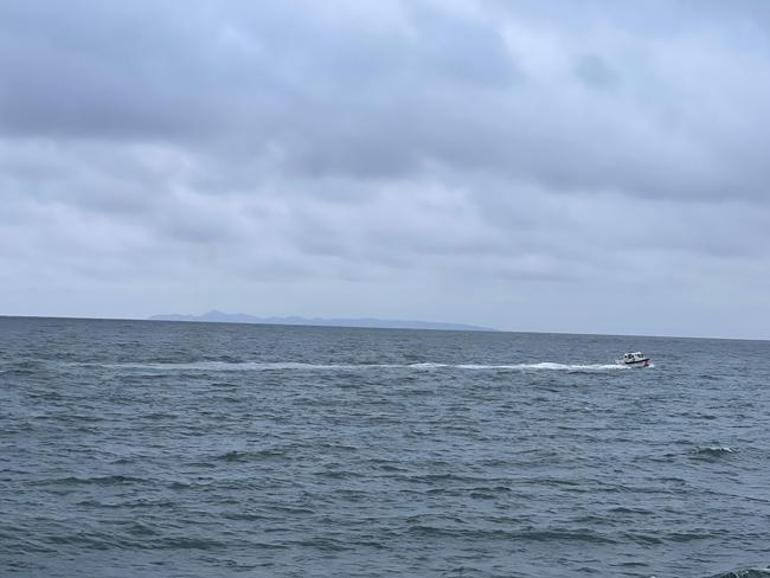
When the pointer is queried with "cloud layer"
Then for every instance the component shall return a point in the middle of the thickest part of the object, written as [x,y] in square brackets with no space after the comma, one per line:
[513,164]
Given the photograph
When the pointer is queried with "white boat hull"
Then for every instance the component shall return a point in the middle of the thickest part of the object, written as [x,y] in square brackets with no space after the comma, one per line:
[639,363]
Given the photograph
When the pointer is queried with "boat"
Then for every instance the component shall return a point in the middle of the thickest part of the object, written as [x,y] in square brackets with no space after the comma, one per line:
[636,359]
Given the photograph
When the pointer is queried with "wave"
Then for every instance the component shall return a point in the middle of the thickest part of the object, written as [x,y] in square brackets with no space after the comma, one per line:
[715,450]
[712,453]
[300,366]
[745,573]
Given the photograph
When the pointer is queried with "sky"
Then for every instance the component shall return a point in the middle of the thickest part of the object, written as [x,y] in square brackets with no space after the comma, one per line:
[590,167]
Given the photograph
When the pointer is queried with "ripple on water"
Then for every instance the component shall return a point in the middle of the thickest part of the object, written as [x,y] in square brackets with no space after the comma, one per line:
[713,453]
[183,450]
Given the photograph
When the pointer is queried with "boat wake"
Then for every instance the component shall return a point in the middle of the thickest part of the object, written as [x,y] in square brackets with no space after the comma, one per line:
[547,365]
[298,366]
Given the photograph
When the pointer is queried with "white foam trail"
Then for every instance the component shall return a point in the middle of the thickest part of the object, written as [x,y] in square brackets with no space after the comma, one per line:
[547,365]
[234,366]
[718,449]
[298,366]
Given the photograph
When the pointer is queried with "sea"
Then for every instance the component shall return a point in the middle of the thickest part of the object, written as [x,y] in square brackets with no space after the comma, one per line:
[172,449]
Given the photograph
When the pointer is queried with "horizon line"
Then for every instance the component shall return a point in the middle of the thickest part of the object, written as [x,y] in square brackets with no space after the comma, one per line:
[480,330]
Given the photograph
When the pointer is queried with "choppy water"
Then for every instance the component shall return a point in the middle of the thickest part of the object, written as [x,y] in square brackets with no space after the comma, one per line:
[167,449]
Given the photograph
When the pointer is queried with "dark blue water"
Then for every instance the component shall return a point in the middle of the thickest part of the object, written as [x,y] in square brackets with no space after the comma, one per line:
[170,449]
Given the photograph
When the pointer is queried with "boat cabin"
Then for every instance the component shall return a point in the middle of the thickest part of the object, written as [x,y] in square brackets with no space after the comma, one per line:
[636,357]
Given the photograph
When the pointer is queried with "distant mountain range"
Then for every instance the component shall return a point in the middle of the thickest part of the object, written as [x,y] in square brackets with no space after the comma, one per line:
[220,317]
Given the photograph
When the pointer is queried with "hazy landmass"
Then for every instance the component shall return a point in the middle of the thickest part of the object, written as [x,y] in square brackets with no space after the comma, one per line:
[220,317]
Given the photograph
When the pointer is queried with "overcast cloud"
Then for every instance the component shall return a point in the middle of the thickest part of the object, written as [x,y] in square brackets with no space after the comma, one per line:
[559,166]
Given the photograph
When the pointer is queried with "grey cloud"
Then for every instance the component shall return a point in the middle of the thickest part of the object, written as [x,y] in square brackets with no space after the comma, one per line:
[477,161]
[595,72]
[334,91]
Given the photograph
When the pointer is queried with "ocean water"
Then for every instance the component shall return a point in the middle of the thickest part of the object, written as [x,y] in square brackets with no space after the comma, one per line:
[170,449]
